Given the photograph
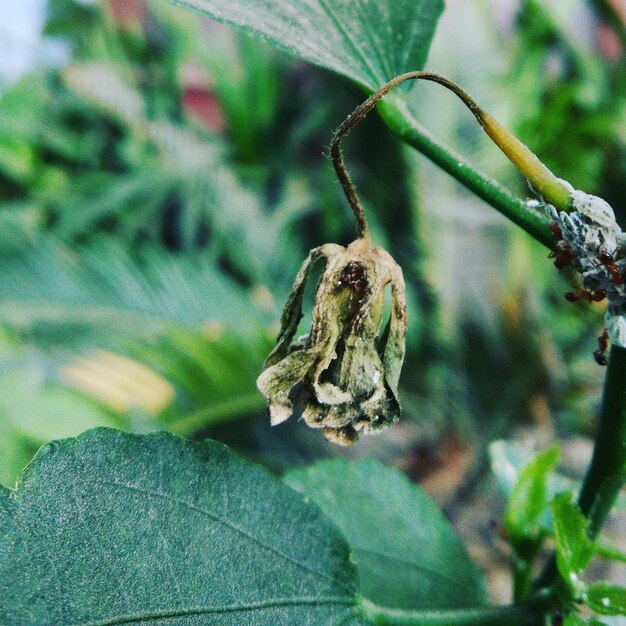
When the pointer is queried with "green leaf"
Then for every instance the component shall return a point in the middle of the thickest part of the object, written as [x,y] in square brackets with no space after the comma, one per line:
[573,619]
[574,549]
[609,551]
[214,376]
[606,599]
[508,459]
[528,499]
[64,295]
[112,528]
[369,41]
[406,553]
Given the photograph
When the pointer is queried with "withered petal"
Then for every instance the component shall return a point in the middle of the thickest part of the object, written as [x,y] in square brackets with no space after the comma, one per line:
[292,311]
[277,381]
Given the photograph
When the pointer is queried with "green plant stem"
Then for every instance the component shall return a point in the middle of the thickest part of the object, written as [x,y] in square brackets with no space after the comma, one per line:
[607,471]
[523,570]
[399,120]
[515,615]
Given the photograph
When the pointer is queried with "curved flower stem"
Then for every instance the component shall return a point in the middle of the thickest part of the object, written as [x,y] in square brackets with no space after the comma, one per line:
[553,189]
[400,121]
[515,615]
[607,471]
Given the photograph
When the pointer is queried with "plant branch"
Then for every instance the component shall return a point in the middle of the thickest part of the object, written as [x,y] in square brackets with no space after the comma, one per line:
[607,471]
[514,615]
[551,188]
[400,121]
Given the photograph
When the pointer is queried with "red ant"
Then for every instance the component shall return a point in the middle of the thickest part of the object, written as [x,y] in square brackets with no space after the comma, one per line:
[603,344]
[606,258]
[562,257]
[585,294]
[555,229]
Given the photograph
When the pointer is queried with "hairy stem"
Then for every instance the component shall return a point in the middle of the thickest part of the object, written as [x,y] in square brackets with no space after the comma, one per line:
[516,615]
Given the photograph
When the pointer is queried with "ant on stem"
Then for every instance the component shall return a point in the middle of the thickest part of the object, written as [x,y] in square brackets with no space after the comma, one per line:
[603,344]
[606,258]
[562,257]
[586,295]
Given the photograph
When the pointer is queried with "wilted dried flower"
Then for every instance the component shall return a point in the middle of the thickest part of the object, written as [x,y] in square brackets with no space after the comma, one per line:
[343,375]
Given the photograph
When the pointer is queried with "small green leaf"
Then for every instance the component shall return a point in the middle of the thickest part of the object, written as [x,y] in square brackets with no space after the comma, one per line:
[574,549]
[606,599]
[573,619]
[406,553]
[528,499]
[608,551]
[369,41]
[508,459]
[112,528]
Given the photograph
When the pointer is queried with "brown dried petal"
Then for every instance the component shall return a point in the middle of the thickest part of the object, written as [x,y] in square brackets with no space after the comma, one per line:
[343,377]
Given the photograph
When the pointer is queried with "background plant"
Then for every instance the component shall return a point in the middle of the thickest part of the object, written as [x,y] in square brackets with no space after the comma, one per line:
[149,211]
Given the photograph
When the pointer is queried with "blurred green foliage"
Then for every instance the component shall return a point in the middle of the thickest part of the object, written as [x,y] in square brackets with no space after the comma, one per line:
[159,192]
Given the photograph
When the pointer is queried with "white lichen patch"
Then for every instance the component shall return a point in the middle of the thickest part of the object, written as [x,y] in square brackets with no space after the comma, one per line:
[593,244]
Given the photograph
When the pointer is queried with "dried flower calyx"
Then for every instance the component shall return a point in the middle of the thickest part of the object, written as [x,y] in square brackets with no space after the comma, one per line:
[343,375]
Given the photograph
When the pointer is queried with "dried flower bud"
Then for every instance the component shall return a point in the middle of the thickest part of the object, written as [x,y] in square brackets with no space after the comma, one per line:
[342,377]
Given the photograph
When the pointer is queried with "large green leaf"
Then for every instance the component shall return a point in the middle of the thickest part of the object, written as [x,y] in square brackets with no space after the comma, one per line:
[369,41]
[406,552]
[112,528]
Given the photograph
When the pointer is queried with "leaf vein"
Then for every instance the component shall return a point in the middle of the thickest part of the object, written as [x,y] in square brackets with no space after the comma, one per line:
[384,62]
[129,618]
[221,520]
[359,52]
[398,559]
